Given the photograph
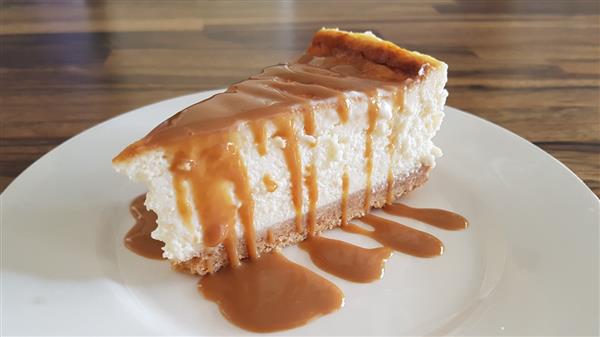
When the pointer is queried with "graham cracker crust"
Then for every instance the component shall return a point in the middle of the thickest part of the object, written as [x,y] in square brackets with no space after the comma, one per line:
[285,234]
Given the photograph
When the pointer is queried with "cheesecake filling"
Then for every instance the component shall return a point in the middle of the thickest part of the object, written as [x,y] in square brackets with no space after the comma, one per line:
[303,125]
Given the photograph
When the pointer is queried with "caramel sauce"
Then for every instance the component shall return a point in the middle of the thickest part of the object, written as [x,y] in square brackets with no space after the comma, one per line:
[270,294]
[182,205]
[216,166]
[259,132]
[436,217]
[389,194]
[210,265]
[230,244]
[399,237]
[309,120]
[344,203]
[270,184]
[391,147]
[270,237]
[313,196]
[285,130]
[345,260]
[138,239]
[342,108]
[373,111]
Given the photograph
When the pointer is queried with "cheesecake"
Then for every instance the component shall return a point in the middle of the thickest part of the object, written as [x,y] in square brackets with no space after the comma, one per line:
[299,148]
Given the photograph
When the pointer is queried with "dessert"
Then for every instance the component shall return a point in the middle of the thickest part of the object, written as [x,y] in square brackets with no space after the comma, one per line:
[299,148]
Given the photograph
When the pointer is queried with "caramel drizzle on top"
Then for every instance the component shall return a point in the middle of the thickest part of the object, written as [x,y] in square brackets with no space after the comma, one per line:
[204,146]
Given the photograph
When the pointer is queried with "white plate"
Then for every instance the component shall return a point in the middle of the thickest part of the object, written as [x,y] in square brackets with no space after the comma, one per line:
[527,265]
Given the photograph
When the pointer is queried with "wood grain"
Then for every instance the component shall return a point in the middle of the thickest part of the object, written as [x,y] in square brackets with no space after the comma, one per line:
[532,67]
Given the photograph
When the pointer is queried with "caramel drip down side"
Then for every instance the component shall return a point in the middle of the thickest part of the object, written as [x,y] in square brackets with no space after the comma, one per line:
[246,210]
[313,196]
[270,237]
[342,108]
[215,173]
[270,294]
[311,173]
[373,111]
[345,260]
[230,244]
[285,130]
[269,183]
[436,217]
[309,120]
[138,239]
[259,131]
[392,139]
[344,202]
[180,191]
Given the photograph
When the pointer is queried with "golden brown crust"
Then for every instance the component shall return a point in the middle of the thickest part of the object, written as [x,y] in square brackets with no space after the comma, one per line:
[333,42]
[285,233]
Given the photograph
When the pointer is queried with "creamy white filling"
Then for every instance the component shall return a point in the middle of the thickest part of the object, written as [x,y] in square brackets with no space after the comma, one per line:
[339,146]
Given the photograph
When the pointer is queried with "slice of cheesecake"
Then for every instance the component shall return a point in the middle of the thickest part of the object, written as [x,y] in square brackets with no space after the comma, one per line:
[299,148]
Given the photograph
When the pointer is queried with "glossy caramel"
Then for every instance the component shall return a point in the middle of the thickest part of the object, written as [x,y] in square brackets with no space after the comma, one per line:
[391,146]
[313,196]
[372,111]
[436,217]
[344,201]
[270,184]
[345,260]
[270,294]
[399,237]
[138,238]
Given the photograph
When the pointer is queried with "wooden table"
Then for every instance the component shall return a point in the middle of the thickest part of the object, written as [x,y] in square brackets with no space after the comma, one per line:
[532,67]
